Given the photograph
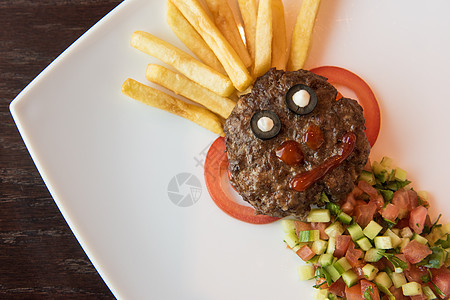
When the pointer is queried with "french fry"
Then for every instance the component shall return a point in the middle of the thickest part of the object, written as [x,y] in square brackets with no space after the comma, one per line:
[224,20]
[301,37]
[187,34]
[185,87]
[249,11]
[161,100]
[263,54]
[200,20]
[183,62]
[279,43]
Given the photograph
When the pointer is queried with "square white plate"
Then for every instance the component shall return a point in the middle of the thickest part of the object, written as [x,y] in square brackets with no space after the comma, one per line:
[108,160]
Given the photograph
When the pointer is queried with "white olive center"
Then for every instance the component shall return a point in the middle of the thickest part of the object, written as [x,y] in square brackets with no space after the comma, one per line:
[301,98]
[265,124]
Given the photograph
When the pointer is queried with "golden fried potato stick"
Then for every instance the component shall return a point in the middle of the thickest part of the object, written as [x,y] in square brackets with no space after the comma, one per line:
[187,34]
[181,85]
[279,43]
[249,11]
[301,37]
[224,20]
[161,100]
[263,54]
[230,60]
[183,62]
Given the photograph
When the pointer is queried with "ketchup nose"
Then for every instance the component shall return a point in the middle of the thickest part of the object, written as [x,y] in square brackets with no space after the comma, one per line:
[290,152]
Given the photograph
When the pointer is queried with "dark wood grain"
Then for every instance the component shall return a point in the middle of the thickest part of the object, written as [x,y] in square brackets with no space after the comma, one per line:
[39,256]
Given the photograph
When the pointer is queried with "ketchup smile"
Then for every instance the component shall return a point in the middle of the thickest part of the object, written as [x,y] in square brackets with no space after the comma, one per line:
[301,182]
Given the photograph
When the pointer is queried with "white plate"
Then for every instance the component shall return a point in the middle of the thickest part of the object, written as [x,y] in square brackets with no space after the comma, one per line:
[108,160]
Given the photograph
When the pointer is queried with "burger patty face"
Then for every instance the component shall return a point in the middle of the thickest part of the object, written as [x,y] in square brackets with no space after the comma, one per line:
[261,177]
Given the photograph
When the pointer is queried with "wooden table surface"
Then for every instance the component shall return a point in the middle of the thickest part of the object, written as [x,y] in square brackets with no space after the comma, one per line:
[39,256]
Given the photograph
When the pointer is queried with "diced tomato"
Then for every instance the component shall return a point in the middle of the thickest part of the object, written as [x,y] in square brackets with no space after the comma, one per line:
[321,227]
[398,293]
[350,200]
[342,243]
[302,226]
[417,219]
[401,200]
[364,213]
[390,212]
[358,269]
[353,293]
[415,252]
[367,188]
[415,273]
[353,255]
[378,201]
[402,223]
[338,288]
[321,282]
[382,264]
[441,278]
[305,253]
[413,199]
[365,286]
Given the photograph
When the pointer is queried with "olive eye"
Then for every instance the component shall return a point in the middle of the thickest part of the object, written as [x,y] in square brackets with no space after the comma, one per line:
[301,99]
[265,124]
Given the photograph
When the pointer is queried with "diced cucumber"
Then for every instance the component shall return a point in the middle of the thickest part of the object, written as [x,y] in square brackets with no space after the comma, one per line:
[308,236]
[370,271]
[355,231]
[372,229]
[412,289]
[398,279]
[396,231]
[334,274]
[319,247]
[406,232]
[434,235]
[395,239]
[445,229]
[419,239]
[373,255]
[344,218]
[305,272]
[423,195]
[428,292]
[400,174]
[314,260]
[291,239]
[331,245]
[383,279]
[319,215]
[342,265]
[350,278]
[386,162]
[334,229]
[367,177]
[364,244]
[383,242]
[288,225]
[321,294]
[379,172]
[326,259]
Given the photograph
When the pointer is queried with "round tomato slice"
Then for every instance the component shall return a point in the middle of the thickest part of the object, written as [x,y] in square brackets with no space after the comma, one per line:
[216,176]
[364,94]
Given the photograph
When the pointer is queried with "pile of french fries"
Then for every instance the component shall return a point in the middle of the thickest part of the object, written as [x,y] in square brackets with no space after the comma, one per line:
[227,60]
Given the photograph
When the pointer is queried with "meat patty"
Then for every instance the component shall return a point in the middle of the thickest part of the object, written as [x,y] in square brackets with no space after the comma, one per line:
[261,177]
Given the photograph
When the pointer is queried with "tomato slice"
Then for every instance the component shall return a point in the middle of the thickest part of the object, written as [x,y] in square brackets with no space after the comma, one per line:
[216,175]
[364,94]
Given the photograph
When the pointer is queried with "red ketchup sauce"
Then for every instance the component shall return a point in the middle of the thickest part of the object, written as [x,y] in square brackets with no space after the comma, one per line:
[290,152]
[313,137]
[301,182]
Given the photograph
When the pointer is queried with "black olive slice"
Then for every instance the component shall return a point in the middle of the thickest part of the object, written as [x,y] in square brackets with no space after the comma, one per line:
[299,109]
[260,132]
